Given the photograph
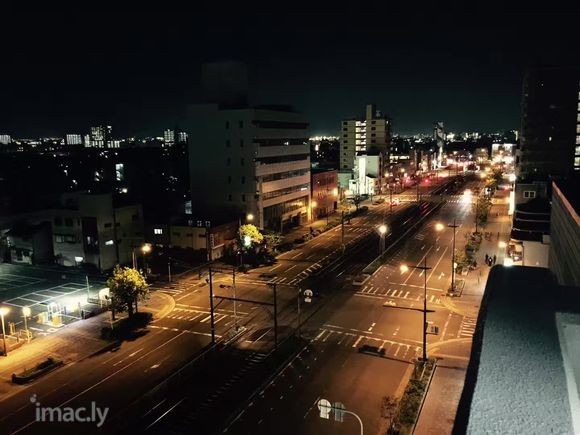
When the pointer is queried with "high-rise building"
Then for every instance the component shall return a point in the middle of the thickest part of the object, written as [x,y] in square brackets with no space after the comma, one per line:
[439,136]
[550,130]
[181,137]
[250,162]
[5,139]
[169,137]
[100,136]
[74,139]
[371,134]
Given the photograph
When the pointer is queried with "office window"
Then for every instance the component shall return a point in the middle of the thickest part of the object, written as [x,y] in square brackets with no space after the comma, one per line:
[58,222]
[576,161]
[241,143]
[243,179]
[227,124]
[108,225]
[373,134]
[229,179]
[68,222]
[578,139]
[241,124]
[529,194]
[230,197]
[79,222]
[577,151]
[157,231]
[135,217]
[345,141]
[373,128]
[344,122]
[177,234]
[227,143]
[373,141]
[228,161]
[242,161]
[345,129]
[373,122]
[243,197]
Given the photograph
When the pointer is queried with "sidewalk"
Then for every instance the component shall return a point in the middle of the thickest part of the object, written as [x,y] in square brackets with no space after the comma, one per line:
[71,343]
[440,406]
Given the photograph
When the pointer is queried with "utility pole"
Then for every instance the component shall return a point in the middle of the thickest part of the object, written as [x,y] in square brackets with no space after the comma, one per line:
[88,296]
[425,268]
[418,187]
[391,200]
[212,323]
[299,295]
[342,230]
[454,226]
[275,318]
[234,288]
[169,270]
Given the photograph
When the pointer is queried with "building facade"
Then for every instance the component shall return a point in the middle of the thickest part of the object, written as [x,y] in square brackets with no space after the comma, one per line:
[74,139]
[550,130]
[324,192]
[100,136]
[371,134]
[250,161]
[564,259]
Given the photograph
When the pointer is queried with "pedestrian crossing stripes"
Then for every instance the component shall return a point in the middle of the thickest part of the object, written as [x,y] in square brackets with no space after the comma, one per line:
[467,328]
[419,236]
[354,341]
[397,293]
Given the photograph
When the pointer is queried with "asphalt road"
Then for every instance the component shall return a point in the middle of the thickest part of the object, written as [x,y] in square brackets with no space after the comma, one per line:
[117,378]
[381,313]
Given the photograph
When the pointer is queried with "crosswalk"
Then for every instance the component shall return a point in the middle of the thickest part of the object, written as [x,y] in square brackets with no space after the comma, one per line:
[354,341]
[202,316]
[175,288]
[397,293]
[467,328]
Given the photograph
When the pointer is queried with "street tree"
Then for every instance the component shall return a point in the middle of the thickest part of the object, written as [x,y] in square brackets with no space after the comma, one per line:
[356,200]
[251,231]
[272,240]
[127,287]
[480,209]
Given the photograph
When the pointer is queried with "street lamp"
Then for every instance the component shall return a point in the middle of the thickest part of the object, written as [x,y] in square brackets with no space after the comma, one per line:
[424,268]
[453,264]
[26,313]
[3,312]
[249,217]
[145,249]
[382,231]
[439,226]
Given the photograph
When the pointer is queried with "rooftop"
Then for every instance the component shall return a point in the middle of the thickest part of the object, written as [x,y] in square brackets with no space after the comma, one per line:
[525,362]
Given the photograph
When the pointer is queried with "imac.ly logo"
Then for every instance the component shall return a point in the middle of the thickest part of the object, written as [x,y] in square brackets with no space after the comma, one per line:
[69,414]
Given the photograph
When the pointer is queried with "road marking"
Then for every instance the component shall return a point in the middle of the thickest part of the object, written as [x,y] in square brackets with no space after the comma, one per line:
[406,294]
[372,326]
[360,337]
[297,255]
[396,330]
[320,335]
[291,267]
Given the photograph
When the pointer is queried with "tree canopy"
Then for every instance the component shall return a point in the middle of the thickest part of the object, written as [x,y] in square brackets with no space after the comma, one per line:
[127,286]
[251,231]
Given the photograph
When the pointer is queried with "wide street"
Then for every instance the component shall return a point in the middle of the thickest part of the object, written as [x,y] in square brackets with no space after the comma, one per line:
[381,313]
[117,377]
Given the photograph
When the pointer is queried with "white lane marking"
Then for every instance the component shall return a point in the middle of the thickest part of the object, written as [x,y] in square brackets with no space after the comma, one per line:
[291,267]
[372,326]
[275,267]
[360,337]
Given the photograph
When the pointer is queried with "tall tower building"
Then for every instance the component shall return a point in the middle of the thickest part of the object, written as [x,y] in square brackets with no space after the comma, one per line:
[371,134]
[439,136]
[100,136]
[550,129]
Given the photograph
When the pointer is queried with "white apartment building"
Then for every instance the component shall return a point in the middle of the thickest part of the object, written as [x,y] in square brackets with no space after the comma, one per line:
[250,161]
[74,139]
[371,134]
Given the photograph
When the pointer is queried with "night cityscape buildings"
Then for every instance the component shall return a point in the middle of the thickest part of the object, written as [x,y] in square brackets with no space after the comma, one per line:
[289,220]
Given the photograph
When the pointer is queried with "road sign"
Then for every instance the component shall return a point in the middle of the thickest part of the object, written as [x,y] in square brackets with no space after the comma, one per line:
[324,407]
[308,295]
[338,411]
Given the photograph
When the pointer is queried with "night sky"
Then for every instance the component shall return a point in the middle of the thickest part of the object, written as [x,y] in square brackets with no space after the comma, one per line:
[64,70]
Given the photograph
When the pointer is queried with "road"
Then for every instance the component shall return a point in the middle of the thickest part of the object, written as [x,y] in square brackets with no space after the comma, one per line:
[118,377]
[381,313]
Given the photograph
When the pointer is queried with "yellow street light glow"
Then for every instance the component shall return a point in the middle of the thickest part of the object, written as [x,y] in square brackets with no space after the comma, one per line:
[335,191]
[439,226]
[146,248]
[250,217]
[4,311]
[404,268]
[383,229]
[313,204]
[502,244]
[26,311]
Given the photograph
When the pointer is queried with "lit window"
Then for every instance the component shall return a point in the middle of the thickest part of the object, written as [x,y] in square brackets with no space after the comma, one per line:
[109,243]
[529,194]
[157,231]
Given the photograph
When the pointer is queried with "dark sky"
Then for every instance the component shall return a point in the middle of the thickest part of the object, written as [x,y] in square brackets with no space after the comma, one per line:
[64,70]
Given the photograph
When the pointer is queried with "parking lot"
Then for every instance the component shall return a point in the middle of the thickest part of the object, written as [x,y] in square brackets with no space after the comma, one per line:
[52,298]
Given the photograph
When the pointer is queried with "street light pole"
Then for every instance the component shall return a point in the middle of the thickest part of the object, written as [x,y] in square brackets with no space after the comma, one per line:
[299,295]
[234,288]
[454,226]
[212,327]
[4,311]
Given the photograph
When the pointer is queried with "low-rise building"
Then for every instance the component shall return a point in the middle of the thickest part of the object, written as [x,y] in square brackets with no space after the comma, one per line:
[29,244]
[324,192]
